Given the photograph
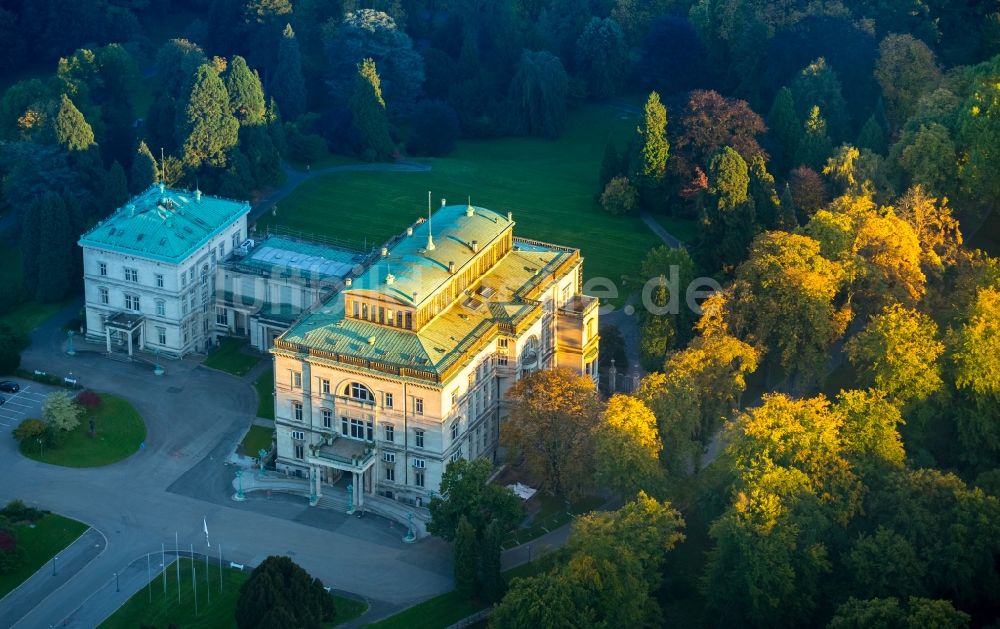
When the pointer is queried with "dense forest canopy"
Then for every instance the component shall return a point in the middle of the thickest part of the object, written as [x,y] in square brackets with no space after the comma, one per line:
[831,153]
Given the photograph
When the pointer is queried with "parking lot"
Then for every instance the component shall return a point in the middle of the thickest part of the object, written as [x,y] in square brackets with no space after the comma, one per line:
[21,405]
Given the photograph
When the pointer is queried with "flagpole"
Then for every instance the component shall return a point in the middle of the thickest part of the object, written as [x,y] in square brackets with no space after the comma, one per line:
[177,560]
[194,582]
[149,580]
[208,584]
[163,565]
[220,568]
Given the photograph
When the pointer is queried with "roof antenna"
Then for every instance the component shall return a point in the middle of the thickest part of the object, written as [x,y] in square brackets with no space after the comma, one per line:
[430,225]
[163,171]
[469,210]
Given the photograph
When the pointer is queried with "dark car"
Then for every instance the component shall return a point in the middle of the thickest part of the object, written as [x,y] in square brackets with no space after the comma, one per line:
[2,400]
[9,386]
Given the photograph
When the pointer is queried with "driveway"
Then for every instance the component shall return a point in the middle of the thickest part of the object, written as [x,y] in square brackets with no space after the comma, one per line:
[194,417]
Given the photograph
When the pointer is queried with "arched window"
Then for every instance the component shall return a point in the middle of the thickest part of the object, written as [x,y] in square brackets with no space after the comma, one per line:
[360,392]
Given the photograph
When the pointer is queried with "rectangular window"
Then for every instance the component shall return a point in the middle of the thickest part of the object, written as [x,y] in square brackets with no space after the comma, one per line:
[131,275]
[565,295]
[418,478]
[409,321]
[419,438]
[388,400]
[236,240]
[102,268]
[418,405]
[456,455]
[390,432]
[390,317]
[381,314]
[356,308]
[390,474]
[364,311]
[296,379]
[298,434]
[327,418]
[184,279]
[361,429]
[389,457]
[103,292]
[191,274]
[324,385]
[454,398]
[161,308]
[159,280]
[419,464]
[222,316]
[161,336]
[132,302]
[184,306]
[300,451]
[222,250]
[454,430]
[297,411]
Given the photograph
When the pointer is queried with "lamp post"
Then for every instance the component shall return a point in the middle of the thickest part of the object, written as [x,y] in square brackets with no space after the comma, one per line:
[40,447]
[261,472]
[410,536]
[117,589]
[69,344]
[313,498]
[54,560]
[157,369]
[239,497]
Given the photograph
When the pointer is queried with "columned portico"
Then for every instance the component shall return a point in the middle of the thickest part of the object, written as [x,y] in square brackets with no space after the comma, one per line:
[343,455]
[125,324]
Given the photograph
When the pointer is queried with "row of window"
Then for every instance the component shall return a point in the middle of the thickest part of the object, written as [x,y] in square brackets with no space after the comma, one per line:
[355,390]
[363,429]
[131,274]
[381,314]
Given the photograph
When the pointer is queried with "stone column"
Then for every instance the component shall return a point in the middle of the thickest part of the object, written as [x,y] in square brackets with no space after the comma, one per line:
[142,337]
[107,337]
[316,476]
[359,496]
[130,343]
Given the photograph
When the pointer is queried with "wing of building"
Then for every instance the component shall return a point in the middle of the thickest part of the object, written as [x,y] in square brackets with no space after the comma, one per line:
[405,368]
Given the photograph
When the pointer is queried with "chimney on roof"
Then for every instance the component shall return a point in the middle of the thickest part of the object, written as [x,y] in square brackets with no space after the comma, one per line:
[475,246]
[430,225]
[510,216]
[371,340]
[197,195]
[469,210]
[348,281]
[385,251]
[131,210]
[409,231]
[451,267]
[389,279]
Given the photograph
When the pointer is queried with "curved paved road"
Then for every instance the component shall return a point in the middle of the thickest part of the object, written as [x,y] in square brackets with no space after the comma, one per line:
[194,418]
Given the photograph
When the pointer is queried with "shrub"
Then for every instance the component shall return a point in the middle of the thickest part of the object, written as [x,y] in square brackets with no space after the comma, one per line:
[17,511]
[434,129]
[30,428]
[279,593]
[619,196]
[12,556]
[11,344]
[61,412]
[88,399]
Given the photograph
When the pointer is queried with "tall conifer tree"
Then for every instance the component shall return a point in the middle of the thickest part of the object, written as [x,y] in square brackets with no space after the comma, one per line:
[211,129]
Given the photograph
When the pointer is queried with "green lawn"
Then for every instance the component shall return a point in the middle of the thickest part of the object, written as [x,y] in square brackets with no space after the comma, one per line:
[256,438]
[264,385]
[230,357]
[119,429]
[551,515]
[448,608]
[164,610]
[549,186]
[49,536]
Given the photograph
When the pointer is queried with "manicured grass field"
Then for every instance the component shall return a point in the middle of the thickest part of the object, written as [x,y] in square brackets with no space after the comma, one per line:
[230,357]
[164,611]
[49,536]
[683,229]
[119,430]
[256,438]
[264,385]
[549,186]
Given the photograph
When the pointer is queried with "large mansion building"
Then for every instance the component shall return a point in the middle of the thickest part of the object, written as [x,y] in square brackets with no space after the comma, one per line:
[387,364]
[406,367]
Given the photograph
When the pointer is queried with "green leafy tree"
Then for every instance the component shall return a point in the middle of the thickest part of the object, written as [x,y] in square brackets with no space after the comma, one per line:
[728,219]
[553,416]
[465,493]
[289,86]
[29,430]
[466,559]
[115,187]
[246,95]
[905,70]
[144,169]
[930,157]
[11,345]
[279,593]
[655,148]
[885,564]
[898,353]
[210,128]
[815,145]
[492,583]
[889,255]
[657,332]
[619,197]
[538,95]
[677,268]
[627,448]
[887,612]
[61,412]
[784,123]
[71,129]
[870,434]
[788,217]
[872,136]
[602,57]
[818,86]
[763,193]
[368,112]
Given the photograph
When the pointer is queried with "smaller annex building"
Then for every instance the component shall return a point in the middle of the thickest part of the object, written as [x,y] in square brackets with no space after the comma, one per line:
[150,270]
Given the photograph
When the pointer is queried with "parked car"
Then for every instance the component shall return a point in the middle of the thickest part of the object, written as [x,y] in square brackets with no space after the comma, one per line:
[2,400]
[9,386]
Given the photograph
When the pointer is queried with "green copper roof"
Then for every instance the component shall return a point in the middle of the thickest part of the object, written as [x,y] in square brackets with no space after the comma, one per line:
[164,224]
[419,271]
